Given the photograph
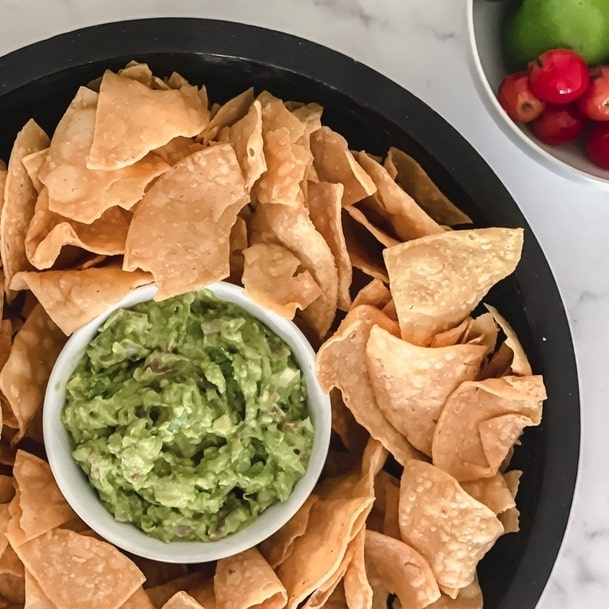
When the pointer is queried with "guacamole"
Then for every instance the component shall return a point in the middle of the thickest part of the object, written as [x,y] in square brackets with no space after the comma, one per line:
[189,417]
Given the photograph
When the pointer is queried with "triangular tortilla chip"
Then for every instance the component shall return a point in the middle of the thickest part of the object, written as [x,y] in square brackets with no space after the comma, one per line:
[341,363]
[436,281]
[133,119]
[81,193]
[409,174]
[480,422]
[335,163]
[19,201]
[180,231]
[411,383]
[228,114]
[440,520]
[73,298]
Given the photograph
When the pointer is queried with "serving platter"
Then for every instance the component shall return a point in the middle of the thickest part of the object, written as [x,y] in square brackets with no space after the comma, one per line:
[373,113]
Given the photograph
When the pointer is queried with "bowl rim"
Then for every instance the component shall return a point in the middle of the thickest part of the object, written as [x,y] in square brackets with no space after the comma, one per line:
[370,90]
[518,137]
[83,499]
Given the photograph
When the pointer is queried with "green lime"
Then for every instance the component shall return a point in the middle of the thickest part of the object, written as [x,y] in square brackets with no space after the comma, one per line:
[538,25]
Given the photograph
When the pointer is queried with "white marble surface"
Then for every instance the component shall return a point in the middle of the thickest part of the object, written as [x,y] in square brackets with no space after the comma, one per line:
[422,45]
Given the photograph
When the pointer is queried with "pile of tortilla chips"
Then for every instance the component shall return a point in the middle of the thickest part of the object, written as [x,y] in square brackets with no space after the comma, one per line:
[143,180]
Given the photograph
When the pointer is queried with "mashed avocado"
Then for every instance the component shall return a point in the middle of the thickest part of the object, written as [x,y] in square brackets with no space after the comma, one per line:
[189,417]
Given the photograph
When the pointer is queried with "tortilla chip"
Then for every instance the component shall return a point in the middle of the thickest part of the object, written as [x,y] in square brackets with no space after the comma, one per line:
[35,598]
[482,420]
[272,279]
[341,363]
[133,119]
[469,597]
[177,149]
[324,592]
[440,520]
[246,138]
[335,163]
[49,233]
[520,363]
[374,293]
[19,201]
[24,377]
[228,114]
[292,228]
[142,73]
[75,570]
[409,174]
[318,553]
[182,600]
[199,584]
[411,383]
[400,570]
[280,544]
[482,330]
[247,580]
[492,492]
[74,298]
[32,163]
[510,518]
[323,201]
[180,230]
[275,115]
[407,219]
[287,164]
[378,233]
[436,281]
[358,592]
[34,480]
[352,435]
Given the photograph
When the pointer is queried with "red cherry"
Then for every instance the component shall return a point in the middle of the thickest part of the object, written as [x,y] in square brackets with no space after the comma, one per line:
[517,98]
[558,76]
[597,145]
[594,103]
[559,124]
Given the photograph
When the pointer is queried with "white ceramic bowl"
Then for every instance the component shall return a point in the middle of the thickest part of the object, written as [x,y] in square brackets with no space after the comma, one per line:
[83,498]
[484,24]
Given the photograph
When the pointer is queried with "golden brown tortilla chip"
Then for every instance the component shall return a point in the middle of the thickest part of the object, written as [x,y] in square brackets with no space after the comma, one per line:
[408,220]
[76,570]
[358,592]
[32,163]
[180,231]
[482,420]
[34,480]
[335,163]
[323,201]
[84,194]
[279,546]
[49,233]
[133,119]
[436,281]
[246,138]
[494,492]
[182,600]
[19,201]
[292,228]
[73,298]
[35,598]
[510,518]
[411,383]
[24,377]
[228,114]
[440,520]
[409,174]
[341,363]
[318,553]
[272,278]
[365,251]
[378,233]
[247,580]
[400,570]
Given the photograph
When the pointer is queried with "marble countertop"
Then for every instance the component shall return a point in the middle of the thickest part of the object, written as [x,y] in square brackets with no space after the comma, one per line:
[422,45]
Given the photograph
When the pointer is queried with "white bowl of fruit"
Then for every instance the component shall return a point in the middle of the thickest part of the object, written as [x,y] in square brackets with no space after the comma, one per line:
[542,69]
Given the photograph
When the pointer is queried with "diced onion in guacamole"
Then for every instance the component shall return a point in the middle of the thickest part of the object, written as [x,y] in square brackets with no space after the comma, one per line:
[189,417]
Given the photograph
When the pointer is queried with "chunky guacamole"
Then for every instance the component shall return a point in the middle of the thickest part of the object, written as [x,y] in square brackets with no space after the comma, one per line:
[189,417]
